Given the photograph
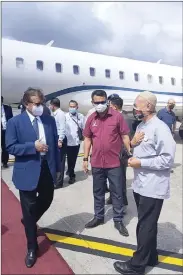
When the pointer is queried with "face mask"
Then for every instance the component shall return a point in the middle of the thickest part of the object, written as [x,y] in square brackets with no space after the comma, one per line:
[72,111]
[139,115]
[37,110]
[100,108]
[171,106]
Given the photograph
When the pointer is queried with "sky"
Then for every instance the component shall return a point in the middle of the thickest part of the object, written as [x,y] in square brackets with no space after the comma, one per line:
[142,31]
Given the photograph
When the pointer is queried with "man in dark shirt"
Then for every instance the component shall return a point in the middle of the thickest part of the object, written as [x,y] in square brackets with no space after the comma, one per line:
[116,103]
[105,131]
[168,116]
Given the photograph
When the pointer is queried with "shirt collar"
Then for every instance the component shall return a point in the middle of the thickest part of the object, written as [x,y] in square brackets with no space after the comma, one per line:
[32,117]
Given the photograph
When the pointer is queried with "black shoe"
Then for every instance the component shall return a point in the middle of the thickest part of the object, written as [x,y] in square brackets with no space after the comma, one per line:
[124,268]
[31,258]
[121,228]
[94,223]
[153,263]
[72,180]
[58,186]
[108,201]
[5,165]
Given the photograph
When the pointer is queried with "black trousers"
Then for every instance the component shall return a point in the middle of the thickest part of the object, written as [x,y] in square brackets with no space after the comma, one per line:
[35,203]
[72,154]
[4,154]
[124,188]
[114,176]
[63,153]
[148,214]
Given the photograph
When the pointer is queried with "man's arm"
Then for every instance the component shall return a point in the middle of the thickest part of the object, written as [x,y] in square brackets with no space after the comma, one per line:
[11,112]
[165,151]
[57,151]
[174,125]
[124,131]
[13,147]
[62,123]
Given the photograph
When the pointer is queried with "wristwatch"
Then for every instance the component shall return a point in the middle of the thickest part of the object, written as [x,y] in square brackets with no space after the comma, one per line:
[85,159]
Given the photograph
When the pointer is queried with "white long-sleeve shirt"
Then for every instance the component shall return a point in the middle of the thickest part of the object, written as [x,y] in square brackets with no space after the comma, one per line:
[156,153]
[60,123]
[72,128]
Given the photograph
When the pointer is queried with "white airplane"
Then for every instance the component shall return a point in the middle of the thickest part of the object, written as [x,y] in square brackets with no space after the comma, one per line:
[70,74]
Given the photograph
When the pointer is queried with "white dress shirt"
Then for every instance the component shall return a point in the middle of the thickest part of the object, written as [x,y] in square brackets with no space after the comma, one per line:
[42,136]
[3,117]
[60,123]
[72,128]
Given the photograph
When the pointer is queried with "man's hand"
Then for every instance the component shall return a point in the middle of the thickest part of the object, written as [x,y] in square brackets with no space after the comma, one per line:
[41,147]
[134,162]
[59,144]
[85,166]
[138,138]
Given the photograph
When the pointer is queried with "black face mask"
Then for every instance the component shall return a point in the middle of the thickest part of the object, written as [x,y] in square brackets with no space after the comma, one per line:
[171,106]
[138,116]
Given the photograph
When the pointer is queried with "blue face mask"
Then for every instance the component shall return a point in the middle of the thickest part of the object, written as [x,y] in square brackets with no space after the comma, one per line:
[73,111]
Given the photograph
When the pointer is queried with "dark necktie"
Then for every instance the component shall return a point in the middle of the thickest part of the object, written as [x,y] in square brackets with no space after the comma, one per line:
[36,128]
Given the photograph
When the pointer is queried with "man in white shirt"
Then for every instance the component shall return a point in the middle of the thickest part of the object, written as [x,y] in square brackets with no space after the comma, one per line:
[74,127]
[6,114]
[59,116]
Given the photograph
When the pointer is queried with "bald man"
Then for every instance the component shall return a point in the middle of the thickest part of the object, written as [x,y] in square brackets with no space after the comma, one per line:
[152,161]
[168,116]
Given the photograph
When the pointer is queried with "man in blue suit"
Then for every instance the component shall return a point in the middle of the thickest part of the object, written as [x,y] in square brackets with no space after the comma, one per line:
[32,138]
[6,114]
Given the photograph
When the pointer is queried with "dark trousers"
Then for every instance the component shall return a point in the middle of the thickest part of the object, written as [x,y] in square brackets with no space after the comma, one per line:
[148,214]
[124,188]
[72,154]
[35,203]
[63,152]
[114,176]
[4,154]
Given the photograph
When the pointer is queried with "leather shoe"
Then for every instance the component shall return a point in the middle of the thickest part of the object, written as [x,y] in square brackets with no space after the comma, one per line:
[31,258]
[94,223]
[121,228]
[58,186]
[72,180]
[124,268]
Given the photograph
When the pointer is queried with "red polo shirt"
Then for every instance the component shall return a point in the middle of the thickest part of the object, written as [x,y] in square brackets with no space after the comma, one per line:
[106,138]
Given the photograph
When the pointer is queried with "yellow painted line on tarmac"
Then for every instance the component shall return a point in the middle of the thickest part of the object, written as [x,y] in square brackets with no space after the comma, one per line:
[109,248]
[79,155]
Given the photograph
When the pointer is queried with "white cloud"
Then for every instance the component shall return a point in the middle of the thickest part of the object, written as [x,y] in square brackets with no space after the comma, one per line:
[145,31]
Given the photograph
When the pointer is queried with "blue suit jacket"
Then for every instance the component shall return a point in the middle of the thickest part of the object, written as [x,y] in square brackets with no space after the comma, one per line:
[20,142]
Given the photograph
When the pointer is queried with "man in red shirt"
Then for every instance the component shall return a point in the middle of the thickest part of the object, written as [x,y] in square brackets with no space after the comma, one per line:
[106,131]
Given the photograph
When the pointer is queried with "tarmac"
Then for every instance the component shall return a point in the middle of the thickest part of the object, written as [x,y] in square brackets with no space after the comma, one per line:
[93,251]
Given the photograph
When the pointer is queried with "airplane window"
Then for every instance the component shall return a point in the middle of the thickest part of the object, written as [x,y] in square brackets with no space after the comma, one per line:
[39,64]
[121,75]
[58,67]
[107,73]
[149,78]
[76,69]
[173,81]
[92,71]
[19,62]
[160,80]
[136,77]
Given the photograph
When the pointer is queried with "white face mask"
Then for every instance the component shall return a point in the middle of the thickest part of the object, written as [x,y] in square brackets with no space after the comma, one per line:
[100,108]
[37,110]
